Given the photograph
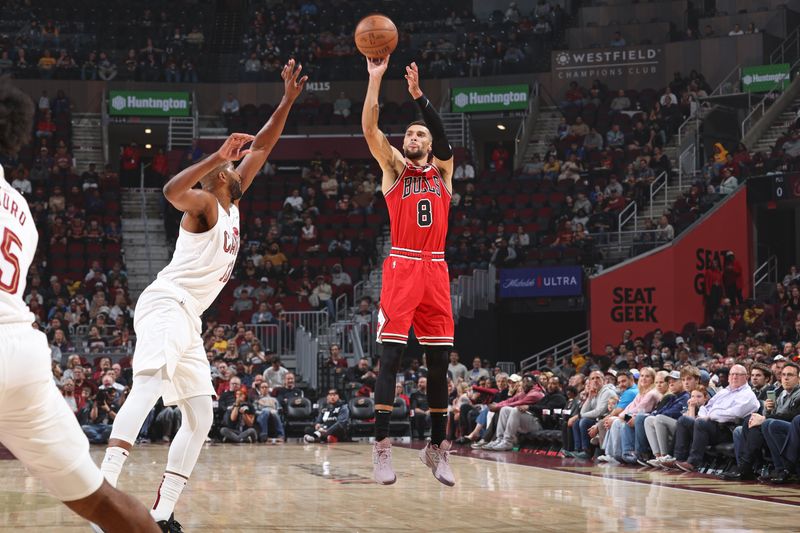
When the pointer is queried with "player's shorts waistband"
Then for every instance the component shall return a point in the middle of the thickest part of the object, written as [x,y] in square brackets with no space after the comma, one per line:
[416,255]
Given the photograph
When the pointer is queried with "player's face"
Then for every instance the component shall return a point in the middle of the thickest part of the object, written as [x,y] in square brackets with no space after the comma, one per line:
[417,142]
[234,184]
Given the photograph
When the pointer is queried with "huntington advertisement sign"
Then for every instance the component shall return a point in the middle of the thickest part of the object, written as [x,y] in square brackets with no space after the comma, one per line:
[633,67]
[149,103]
[765,78]
[666,288]
[536,282]
[498,98]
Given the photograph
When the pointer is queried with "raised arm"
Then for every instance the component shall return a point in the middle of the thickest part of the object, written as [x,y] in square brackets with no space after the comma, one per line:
[180,189]
[441,149]
[388,157]
[268,135]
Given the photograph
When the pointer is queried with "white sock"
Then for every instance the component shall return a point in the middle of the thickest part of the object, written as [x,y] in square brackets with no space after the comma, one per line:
[168,494]
[112,464]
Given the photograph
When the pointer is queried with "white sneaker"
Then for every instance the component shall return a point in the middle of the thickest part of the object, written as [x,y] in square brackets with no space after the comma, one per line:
[503,446]
[604,459]
[478,445]
[491,445]
[309,439]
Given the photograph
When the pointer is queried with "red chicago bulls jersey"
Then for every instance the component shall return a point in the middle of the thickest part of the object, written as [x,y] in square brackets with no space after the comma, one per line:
[419,204]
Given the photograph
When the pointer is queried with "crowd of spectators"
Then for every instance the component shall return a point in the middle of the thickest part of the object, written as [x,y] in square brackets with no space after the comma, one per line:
[318,242]
[102,41]
[320,35]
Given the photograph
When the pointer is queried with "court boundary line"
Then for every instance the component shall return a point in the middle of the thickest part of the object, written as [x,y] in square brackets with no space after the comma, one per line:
[589,475]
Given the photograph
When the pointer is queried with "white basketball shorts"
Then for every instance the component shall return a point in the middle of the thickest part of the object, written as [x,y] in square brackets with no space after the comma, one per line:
[36,424]
[167,324]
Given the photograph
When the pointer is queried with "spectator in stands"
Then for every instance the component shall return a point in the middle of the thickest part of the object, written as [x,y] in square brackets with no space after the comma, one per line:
[230,108]
[275,257]
[239,421]
[420,410]
[515,416]
[618,40]
[335,358]
[464,171]
[46,65]
[660,426]
[97,416]
[665,231]
[500,158]
[458,372]
[339,278]
[340,246]
[262,315]
[732,280]
[751,28]
[267,417]
[322,296]
[342,105]
[106,69]
[477,372]
[275,375]
[729,182]
[770,429]
[332,422]
[502,254]
[593,408]
[361,374]
[736,31]
[573,97]
[711,422]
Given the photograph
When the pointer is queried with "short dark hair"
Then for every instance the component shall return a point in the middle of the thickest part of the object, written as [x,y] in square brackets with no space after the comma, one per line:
[792,365]
[417,123]
[764,369]
[16,118]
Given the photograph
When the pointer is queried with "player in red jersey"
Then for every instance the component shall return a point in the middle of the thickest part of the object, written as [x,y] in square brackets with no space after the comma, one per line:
[417,186]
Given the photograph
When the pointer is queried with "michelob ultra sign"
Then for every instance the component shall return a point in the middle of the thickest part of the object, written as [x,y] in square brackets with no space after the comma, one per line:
[496,98]
[765,78]
[149,103]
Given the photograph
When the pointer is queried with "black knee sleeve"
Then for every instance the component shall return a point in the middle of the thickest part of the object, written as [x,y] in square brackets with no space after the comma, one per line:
[391,356]
[436,357]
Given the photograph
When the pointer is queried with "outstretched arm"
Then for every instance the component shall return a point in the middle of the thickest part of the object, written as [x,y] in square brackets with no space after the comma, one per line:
[388,157]
[442,151]
[268,135]
[179,190]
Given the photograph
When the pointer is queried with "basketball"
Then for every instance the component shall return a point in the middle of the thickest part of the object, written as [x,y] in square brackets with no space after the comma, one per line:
[376,36]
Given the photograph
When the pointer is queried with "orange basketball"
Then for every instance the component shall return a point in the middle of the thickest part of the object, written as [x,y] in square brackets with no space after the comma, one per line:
[376,36]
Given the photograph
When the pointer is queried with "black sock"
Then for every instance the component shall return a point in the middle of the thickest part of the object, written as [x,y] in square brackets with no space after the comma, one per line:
[391,354]
[438,427]
[382,419]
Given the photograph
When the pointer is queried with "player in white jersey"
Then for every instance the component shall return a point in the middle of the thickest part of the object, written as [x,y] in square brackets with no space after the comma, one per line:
[35,422]
[169,359]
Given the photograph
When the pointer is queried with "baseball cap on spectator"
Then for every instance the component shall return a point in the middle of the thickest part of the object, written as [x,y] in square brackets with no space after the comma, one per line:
[635,373]
[104,310]
[514,378]
[704,376]
[265,279]
[611,371]
[779,357]
[679,341]
[676,375]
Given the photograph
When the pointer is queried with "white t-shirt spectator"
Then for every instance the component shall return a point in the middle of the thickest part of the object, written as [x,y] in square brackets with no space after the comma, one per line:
[295,201]
[230,107]
[457,371]
[729,185]
[464,171]
[22,185]
[275,378]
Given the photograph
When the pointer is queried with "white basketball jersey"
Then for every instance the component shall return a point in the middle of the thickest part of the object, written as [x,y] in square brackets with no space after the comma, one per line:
[18,240]
[203,262]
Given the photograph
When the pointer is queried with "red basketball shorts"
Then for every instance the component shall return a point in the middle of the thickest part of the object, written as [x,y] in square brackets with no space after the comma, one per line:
[415,291]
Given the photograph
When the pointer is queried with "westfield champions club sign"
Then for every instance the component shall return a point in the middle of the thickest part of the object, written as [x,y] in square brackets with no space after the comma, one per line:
[634,66]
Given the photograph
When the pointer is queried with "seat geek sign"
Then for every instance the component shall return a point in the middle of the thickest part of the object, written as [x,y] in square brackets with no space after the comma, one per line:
[149,103]
[497,98]
[544,281]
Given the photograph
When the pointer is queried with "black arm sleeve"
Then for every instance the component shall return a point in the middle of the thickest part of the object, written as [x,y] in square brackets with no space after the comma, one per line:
[441,148]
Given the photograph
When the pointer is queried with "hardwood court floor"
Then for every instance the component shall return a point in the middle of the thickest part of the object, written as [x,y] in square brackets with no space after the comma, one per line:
[310,488]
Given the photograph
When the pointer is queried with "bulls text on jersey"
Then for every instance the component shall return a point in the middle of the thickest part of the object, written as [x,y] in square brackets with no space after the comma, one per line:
[420,185]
